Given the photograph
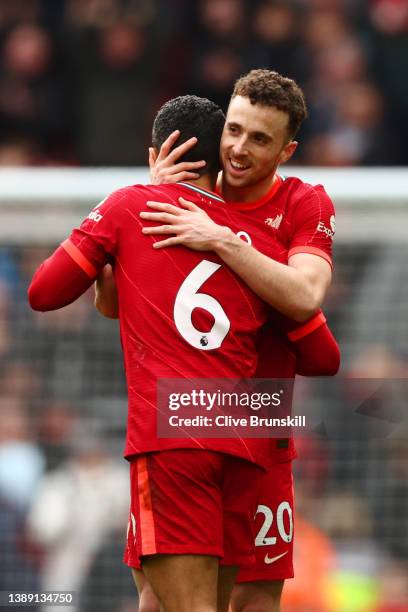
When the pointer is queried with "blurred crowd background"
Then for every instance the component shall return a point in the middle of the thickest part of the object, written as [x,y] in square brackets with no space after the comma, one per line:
[82,79]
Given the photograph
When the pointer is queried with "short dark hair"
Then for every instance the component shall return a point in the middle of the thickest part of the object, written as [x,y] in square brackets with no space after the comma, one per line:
[193,116]
[269,88]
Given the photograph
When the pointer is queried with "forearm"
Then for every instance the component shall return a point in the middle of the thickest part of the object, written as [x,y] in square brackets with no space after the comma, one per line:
[106,295]
[57,282]
[285,288]
[296,290]
[317,351]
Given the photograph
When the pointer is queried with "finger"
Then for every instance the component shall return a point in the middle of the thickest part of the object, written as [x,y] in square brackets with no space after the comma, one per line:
[152,161]
[106,272]
[188,205]
[167,145]
[182,149]
[160,229]
[182,166]
[158,217]
[152,158]
[165,207]
[161,244]
[174,174]
[184,176]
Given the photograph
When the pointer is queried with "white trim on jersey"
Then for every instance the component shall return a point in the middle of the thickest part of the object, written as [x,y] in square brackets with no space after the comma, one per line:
[208,194]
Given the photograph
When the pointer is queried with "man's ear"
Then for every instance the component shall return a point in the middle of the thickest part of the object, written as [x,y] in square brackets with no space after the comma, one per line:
[287,151]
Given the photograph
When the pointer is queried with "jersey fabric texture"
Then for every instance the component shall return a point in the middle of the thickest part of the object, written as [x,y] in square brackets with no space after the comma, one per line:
[183,314]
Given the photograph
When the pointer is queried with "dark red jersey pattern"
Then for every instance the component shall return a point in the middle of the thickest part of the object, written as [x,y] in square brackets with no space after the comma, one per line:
[183,314]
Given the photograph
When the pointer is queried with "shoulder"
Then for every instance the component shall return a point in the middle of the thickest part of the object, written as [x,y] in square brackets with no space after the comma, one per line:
[304,195]
[299,189]
[132,194]
[154,192]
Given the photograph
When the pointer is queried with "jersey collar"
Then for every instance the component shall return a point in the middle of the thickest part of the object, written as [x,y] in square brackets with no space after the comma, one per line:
[263,200]
[208,194]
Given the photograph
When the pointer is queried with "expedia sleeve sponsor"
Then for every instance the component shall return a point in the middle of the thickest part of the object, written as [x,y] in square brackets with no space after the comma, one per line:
[329,231]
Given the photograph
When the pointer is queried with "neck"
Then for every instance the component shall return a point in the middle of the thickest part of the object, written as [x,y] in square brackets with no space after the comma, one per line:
[205,182]
[249,193]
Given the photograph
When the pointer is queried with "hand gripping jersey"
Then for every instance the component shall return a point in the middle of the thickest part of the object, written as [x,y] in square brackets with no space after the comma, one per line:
[183,314]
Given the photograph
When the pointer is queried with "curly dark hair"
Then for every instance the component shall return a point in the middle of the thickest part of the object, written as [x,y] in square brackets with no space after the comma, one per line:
[270,88]
[193,116]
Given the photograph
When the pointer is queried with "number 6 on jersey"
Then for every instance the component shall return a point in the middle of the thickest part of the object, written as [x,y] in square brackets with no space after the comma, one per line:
[189,298]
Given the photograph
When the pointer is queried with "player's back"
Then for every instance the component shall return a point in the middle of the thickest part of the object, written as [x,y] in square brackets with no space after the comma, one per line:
[183,313]
[194,317]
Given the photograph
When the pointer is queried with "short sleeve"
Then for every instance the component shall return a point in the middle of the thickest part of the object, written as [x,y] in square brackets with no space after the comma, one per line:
[94,243]
[313,225]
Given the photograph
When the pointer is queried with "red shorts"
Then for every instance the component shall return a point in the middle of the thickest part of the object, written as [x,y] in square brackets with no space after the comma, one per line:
[273,528]
[192,502]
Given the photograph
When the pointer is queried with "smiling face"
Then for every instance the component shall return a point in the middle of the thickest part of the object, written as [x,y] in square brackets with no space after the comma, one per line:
[254,142]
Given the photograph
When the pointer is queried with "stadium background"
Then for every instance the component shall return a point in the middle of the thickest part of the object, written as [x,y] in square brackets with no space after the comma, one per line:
[80,83]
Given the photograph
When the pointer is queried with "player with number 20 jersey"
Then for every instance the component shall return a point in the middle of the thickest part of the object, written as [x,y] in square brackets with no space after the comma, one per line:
[301,218]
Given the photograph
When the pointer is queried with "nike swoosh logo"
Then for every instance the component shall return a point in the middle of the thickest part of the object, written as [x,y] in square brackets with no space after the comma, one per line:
[268,560]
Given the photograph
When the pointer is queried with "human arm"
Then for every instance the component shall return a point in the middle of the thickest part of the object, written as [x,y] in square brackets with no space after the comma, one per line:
[296,290]
[316,349]
[58,281]
[286,348]
[106,294]
[75,264]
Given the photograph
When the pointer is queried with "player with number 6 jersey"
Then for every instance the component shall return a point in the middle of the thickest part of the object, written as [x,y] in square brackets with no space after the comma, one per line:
[182,315]
[162,320]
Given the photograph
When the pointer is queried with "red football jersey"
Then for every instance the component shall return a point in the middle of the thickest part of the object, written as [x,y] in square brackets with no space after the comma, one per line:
[183,313]
[301,218]
[277,359]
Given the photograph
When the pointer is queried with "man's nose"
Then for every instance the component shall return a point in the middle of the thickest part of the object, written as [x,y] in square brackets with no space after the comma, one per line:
[240,146]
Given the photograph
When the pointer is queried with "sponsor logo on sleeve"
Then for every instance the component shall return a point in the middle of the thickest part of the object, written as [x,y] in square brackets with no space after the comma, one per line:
[321,227]
[95,215]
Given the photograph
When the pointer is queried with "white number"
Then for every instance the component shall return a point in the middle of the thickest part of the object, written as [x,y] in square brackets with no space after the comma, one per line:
[286,537]
[188,298]
[261,539]
[245,237]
